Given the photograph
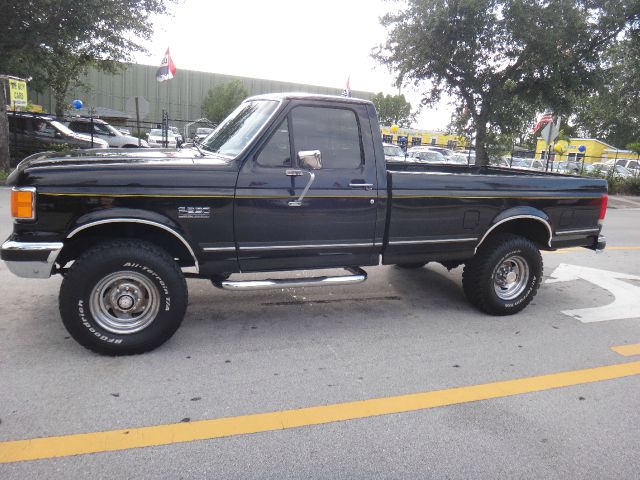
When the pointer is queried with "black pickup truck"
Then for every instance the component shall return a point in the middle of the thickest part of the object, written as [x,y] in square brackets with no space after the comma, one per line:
[286,182]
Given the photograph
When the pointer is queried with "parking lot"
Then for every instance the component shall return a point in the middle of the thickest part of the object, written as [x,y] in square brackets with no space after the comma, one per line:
[398,377]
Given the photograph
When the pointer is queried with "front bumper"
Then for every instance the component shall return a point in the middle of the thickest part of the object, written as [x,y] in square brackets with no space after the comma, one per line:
[30,259]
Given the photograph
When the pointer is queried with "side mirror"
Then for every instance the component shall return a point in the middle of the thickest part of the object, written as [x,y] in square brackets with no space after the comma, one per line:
[310,159]
[58,135]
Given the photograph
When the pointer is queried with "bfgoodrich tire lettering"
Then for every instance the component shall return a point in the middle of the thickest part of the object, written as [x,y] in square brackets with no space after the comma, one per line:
[123,297]
[504,275]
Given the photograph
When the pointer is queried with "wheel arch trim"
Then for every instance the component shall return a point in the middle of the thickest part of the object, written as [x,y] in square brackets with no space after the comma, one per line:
[540,219]
[181,238]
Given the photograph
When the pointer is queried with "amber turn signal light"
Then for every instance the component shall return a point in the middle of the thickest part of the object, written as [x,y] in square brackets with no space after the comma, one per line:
[22,204]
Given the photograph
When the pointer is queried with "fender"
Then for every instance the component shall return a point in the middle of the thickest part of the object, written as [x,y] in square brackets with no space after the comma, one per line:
[128,215]
[518,213]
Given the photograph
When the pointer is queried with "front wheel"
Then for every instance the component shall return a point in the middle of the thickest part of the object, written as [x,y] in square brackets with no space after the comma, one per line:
[123,297]
[504,275]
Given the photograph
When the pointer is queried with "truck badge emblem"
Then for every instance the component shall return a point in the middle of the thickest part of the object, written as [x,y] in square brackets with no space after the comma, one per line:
[194,212]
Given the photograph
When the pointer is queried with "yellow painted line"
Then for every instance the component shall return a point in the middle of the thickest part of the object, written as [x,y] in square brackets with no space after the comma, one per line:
[113,440]
[627,350]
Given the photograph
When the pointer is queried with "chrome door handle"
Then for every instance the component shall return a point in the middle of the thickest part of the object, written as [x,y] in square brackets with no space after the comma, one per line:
[294,173]
[366,186]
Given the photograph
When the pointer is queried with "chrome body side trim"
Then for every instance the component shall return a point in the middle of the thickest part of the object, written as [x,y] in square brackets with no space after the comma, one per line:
[36,268]
[516,217]
[444,240]
[357,276]
[219,249]
[583,230]
[145,222]
[300,247]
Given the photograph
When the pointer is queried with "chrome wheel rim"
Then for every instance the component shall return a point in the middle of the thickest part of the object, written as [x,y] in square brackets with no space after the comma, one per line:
[124,302]
[510,277]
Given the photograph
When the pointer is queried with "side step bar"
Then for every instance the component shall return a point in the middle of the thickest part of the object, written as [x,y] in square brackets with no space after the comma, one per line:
[357,276]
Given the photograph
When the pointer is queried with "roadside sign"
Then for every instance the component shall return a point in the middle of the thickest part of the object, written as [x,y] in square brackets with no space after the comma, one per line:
[17,93]
[550,132]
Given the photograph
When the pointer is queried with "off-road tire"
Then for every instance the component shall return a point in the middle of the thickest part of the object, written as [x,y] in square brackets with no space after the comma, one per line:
[481,278]
[137,265]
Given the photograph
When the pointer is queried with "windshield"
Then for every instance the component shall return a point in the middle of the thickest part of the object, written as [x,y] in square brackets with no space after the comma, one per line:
[63,128]
[237,130]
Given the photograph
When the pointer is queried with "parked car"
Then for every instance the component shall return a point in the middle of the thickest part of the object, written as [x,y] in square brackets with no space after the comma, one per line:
[154,138]
[631,165]
[526,164]
[393,153]
[287,182]
[460,159]
[568,167]
[447,152]
[427,156]
[29,134]
[101,129]
[202,133]
[605,169]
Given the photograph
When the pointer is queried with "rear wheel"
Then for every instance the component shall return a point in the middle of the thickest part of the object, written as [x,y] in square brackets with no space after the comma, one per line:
[504,275]
[123,297]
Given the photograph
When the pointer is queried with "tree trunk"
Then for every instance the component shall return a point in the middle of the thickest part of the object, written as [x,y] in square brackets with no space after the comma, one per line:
[482,159]
[5,163]
[59,99]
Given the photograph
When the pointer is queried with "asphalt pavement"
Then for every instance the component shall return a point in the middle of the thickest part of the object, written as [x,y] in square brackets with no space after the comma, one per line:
[402,332]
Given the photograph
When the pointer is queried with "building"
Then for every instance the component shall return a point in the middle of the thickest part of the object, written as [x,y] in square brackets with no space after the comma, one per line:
[181,97]
[594,150]
[412,137]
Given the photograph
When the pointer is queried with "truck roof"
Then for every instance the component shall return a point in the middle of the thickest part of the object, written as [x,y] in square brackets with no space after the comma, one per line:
[308,96]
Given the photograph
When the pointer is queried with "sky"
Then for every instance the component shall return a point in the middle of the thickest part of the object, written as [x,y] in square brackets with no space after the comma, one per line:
[319,43]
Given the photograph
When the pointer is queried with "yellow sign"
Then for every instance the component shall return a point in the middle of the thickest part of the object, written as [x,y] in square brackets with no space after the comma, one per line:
[17,93]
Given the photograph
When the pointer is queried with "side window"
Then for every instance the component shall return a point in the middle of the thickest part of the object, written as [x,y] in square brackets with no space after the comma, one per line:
[333,131]
[43,129]
[276,152]
[79,127]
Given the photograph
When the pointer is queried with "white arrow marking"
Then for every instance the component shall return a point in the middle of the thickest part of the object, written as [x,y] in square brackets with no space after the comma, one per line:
[627,296]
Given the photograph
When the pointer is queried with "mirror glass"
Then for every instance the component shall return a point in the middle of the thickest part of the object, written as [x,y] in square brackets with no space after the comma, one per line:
[310,159]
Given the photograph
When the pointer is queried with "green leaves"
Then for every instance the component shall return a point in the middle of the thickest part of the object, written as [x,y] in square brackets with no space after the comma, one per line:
[393,109]
[503,60]
[222,99]
[54,41]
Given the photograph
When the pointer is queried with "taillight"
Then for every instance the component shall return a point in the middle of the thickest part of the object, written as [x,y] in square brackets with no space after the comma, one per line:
[604,200]
[23,203]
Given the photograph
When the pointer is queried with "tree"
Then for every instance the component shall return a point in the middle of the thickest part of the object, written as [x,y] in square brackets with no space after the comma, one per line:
[55,42]
[502,60]
[222,99]
[393,109]
[612,113]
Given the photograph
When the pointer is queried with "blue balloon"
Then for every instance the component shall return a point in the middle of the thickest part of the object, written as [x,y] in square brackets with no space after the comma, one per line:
[77,104]
[582,148]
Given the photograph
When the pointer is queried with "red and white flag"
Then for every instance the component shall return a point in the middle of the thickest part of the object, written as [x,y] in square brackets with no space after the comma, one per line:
[542,121]
[167,68]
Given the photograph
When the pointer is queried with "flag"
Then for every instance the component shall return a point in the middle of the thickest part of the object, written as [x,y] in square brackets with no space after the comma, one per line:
[347,91]
[167,68]
[544,119]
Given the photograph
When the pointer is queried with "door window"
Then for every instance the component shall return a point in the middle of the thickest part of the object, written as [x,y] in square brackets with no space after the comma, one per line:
[333,131]
[277,152]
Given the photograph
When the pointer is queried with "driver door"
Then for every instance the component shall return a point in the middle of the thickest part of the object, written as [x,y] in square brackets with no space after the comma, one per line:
[307,198]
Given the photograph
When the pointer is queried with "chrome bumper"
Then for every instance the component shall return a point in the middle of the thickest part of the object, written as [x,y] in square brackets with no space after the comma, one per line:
[30,259]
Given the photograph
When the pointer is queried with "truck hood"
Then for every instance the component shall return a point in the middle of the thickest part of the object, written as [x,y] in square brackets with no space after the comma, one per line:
[115,158]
